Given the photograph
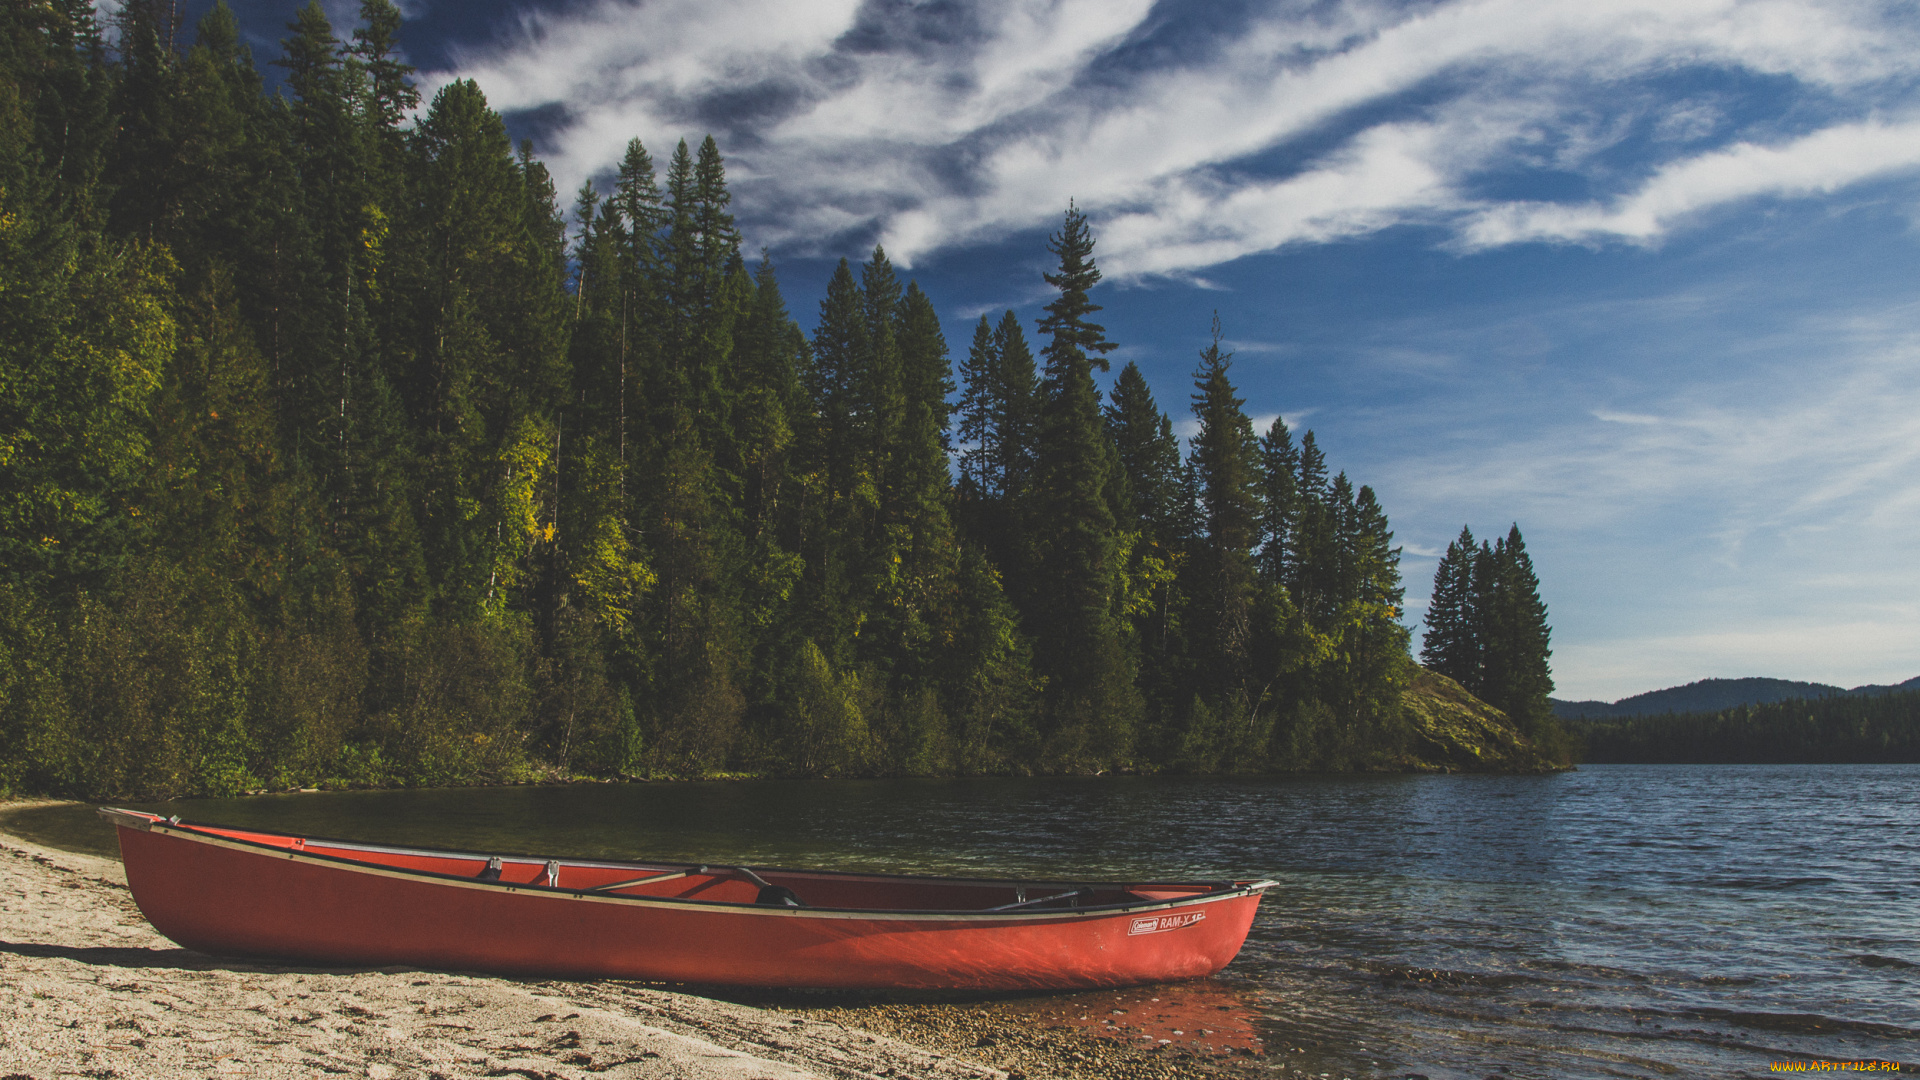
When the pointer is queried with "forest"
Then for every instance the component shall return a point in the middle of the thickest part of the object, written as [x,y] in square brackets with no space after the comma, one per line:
[336,450]
[1868,728]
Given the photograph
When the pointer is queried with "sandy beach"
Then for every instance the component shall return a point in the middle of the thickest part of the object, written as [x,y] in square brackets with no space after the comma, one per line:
[88,988]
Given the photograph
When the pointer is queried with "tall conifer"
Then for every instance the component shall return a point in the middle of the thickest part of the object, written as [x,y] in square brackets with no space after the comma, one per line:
[1280,503]
[1516,675]
[1226,462]
[1093,703]
[1451,646]
[1149,456]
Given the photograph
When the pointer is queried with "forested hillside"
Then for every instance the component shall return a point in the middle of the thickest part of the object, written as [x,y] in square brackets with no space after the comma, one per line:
[1853,729]
[1714,695]
[332,450]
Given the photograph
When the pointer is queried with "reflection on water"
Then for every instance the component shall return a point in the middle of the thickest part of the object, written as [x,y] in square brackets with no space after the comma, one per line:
[1619,921]
[1206,1016]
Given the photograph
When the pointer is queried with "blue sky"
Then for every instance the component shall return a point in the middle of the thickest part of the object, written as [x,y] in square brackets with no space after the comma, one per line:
[1638,276]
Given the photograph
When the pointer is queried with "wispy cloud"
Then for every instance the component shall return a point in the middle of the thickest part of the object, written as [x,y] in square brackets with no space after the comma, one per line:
[1820,163]
[1753,519]
[1767,467]
[1197,136]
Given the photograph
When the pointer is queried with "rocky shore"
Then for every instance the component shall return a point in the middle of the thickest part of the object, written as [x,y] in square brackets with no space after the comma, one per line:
[87,988]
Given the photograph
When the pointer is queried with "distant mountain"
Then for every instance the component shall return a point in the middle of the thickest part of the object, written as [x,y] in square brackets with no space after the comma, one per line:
[1712,695]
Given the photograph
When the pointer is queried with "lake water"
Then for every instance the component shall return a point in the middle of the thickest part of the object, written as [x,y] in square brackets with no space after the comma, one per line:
[1638,921]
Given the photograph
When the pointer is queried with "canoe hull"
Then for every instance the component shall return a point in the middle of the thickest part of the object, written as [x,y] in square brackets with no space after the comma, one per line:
[232,897]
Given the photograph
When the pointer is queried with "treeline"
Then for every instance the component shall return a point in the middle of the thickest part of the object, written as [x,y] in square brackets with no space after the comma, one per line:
[1882,728]
[1487,630]
[332,451]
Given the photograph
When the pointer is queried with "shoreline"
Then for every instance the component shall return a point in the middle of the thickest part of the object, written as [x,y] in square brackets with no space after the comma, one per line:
[90,988]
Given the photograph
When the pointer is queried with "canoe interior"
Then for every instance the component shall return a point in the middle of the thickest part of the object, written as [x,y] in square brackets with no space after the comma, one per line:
[727,885]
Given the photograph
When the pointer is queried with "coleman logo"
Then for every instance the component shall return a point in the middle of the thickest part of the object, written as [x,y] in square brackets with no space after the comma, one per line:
[1158,923]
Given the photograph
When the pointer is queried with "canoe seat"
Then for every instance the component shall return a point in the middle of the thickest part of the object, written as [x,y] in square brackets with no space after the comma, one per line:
[778,896]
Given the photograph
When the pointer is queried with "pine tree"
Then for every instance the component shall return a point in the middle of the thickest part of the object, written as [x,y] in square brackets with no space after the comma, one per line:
[841,492]
[1018,415]
[1516,675]
[1149,456]
[145,105]
[979,429]
[1281,505]
[879,387]
[1093,705]
[998,419]
[1226,463]
[1451,646]
[768,352]
[915,518]
[1157,529]
[390,92]
[1370,662]
[60,110]
[1313,582]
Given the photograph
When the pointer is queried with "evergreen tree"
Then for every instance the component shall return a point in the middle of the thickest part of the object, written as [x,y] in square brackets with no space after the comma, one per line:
[1451,646]
[1156,529]
[1375,645]
[998,411]
[61,120]
[769,350]
[978,429]
[842,491]
[1516,677]
[1149,457]
[1281,504]
[1226,468]
[1315,562]
[1017,416]
[390,89]
[1093,704]
[918,553]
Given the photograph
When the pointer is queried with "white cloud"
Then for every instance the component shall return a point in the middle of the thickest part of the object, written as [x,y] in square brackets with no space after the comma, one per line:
[930,126]
[1823,162]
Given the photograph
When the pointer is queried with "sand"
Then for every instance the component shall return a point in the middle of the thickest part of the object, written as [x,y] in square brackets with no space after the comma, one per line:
[87,988]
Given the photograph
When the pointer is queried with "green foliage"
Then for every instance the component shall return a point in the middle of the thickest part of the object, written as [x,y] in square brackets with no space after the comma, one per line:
[1849,729]
[1487,630]
[326,458]
[34,715]
[1226,467]
[1074,571]
[458,703]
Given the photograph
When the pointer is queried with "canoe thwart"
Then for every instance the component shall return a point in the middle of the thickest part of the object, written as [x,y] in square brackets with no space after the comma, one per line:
[1017,904]
[649,879]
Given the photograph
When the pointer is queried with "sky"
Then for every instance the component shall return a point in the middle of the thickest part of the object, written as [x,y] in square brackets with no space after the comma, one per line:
[1638,276]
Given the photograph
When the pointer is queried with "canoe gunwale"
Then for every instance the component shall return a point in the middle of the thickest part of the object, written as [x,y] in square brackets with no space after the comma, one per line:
[194,832]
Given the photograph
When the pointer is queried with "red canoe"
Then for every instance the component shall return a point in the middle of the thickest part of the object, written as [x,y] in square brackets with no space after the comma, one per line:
[247,892]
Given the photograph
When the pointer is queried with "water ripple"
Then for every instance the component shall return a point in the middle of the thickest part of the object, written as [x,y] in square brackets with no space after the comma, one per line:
[1620,921]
